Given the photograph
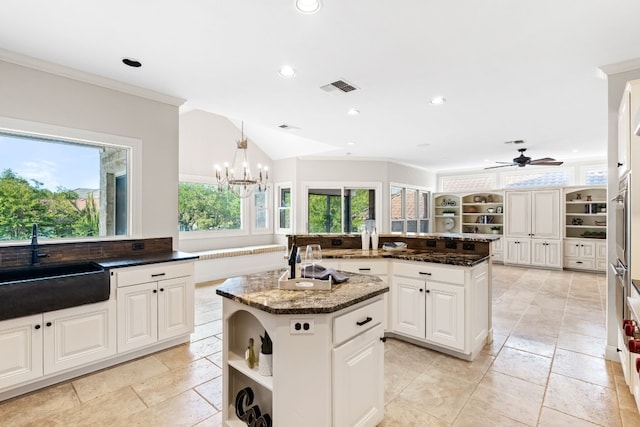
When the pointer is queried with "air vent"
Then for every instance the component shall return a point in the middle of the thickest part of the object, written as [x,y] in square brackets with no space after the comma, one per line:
[340,86]
[517,141]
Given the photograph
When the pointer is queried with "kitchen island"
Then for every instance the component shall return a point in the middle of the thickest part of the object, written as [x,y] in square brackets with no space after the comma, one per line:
[328,357]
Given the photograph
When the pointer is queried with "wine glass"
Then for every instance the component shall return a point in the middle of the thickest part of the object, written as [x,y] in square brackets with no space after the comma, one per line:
[314,255]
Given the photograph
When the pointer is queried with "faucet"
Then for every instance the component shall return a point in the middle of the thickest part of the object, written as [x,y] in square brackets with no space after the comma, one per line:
[35,255]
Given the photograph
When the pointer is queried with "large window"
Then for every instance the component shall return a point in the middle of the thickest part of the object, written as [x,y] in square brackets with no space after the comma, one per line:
[339,210]
[71,188]
[202,206]
[409,209]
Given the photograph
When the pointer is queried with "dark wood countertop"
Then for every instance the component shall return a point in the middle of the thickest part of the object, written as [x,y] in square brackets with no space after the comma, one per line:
[261,291]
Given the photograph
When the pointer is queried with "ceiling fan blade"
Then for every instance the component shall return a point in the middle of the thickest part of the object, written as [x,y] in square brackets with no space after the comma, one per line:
[501,166]
[546,163]
[544,159]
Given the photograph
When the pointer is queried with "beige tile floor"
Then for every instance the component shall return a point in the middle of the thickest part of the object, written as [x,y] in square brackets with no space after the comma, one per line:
[545,367]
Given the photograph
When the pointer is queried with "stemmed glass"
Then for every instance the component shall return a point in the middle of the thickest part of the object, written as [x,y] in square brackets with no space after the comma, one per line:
[313,255]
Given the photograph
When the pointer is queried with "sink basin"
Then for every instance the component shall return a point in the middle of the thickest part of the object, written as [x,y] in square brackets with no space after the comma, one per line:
[38,289]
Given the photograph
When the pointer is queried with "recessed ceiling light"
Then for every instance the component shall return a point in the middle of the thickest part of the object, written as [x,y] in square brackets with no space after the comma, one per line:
[424,145]
[575,150]
[308,6]
[132,62]
[287,71]
[353,112]
[438,100]
[351,143]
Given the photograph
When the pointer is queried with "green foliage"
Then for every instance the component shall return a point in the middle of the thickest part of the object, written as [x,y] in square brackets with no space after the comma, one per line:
[203,207]
[57,213]
[325,215]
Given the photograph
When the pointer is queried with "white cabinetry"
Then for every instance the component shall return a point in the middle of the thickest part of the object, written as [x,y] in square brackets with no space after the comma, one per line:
[441,305]
[155,302]
[310,386]
[533,228]
[43,344]
[546,253]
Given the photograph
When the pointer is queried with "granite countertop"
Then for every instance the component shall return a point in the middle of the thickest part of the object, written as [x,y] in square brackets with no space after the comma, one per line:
[466,237]
[261,291]
[146,259]
[438,257]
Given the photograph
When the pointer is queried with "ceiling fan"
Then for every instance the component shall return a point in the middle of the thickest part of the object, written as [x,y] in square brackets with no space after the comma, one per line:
[522,161]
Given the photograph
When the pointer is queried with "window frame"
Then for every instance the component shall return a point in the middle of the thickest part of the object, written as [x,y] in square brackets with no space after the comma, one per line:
[80,136]
[253,211]
[421,192]
[342,186]
[277,208]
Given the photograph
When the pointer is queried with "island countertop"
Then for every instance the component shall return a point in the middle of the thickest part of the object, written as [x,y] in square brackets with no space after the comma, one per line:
[261,291]
[437,257]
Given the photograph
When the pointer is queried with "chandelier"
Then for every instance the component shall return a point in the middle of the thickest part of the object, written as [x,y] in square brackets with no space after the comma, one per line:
[237,176]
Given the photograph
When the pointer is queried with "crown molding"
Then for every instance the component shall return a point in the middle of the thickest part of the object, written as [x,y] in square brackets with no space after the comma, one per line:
[620,67]
[72,73]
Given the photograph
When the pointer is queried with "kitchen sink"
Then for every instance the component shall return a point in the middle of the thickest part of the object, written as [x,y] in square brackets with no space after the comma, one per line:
[38,289]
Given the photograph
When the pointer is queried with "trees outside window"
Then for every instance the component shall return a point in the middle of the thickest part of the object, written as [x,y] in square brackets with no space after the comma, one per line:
[339,210]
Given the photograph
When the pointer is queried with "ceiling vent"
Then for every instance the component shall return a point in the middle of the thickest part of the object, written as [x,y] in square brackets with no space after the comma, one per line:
[288,127]
[517,141]
[339,86]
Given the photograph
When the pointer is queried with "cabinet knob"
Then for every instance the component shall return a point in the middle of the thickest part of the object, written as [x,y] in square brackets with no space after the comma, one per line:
[38,327]
[428,291]
[617,349]
[421,289]
[155,291]
[620,164]
[161,289]
[383,339]
[49,324]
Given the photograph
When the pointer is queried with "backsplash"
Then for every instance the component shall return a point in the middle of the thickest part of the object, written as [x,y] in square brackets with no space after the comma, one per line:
[20,256]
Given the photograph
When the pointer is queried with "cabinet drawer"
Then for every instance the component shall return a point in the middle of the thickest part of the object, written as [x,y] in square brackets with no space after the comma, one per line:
[379,268]
[428,271]
[582,263]
[153,272]
[357,321]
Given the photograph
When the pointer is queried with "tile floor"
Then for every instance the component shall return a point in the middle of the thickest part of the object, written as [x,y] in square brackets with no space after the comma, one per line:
[545,367]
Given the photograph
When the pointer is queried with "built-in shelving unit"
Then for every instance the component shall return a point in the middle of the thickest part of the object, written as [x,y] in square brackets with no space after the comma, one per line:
[586,213]
[482,213]
[447,213]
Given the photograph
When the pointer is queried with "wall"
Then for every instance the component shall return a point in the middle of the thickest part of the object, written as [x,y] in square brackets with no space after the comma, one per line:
[38,96]
[341,171]
[207,139]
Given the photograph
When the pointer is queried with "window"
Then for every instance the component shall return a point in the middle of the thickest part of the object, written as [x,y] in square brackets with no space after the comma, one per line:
[595,176]
[283,204]
[261,210]
[451,184]
[72,183]
[556,178]
[340,210]
[409,210]
[202,207]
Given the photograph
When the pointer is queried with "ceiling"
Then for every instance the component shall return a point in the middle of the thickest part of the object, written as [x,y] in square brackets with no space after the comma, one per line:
[508,69]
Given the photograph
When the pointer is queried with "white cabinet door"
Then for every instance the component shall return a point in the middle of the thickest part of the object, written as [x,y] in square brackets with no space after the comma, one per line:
[175,308]
[601,250]
[546,253]
[409,309]
[137,316]
[79,335]
[572,248]
[358,380]
[518,213]
[445,315]
[624,129]
[21,344]
[517,251]
[587,249]
[545,214]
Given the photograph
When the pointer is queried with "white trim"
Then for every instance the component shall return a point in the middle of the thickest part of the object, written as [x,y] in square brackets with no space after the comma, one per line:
[134,162]
[276,208]
[253,213]
[59,70]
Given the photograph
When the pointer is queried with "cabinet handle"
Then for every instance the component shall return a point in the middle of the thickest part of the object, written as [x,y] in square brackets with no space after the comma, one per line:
[155,291]
[37,327]
[158,274]
[424,273]
[420,289]
[365,321]
[428,291]
[620,164]
[578,262]
[617,349]
[161,289]
[49,324]
[364,269]
[383,339]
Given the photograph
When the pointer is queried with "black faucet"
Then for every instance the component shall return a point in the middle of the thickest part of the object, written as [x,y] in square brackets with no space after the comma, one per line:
[35,255]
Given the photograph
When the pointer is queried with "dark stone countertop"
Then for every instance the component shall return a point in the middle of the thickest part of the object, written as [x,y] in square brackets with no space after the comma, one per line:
[463,237]
[438,257]
[261,291]
[146,259]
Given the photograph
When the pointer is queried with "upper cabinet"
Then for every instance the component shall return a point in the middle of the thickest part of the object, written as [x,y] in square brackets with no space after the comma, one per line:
[533,214]
[624,132]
